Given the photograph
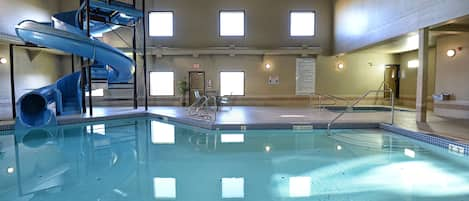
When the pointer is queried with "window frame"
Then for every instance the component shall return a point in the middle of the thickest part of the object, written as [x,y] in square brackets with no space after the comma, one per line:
[314,25]
[232,11]
[234,71]
[174,84]
[173,28]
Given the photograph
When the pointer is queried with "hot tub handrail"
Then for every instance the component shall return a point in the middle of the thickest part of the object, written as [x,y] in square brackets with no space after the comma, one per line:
[334,98]
[358,101]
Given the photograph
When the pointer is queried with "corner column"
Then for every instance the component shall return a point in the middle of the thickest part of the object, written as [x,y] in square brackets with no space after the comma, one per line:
[422,77]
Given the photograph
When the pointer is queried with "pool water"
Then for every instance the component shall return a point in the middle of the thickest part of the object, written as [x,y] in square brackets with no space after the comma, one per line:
[146,159]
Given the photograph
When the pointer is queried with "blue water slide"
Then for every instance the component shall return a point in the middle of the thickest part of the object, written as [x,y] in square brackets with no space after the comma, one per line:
[63,34]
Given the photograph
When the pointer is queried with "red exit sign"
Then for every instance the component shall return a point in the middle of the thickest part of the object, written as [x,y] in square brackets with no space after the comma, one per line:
[196,66]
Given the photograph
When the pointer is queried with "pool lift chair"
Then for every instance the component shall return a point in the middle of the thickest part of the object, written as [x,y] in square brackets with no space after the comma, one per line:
[200,108]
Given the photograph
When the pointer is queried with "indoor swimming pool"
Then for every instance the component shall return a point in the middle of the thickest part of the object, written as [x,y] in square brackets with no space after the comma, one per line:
[150,159]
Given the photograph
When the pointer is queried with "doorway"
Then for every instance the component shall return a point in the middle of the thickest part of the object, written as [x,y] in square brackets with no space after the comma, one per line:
[196,82]
[391,79]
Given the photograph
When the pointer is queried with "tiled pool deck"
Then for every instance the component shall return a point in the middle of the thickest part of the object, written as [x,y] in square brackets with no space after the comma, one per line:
[440,131]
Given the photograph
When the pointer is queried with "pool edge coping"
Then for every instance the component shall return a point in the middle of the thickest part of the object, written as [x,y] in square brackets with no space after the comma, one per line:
[431,138]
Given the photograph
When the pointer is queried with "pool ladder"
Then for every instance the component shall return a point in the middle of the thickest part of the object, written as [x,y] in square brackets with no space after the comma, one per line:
[350,107]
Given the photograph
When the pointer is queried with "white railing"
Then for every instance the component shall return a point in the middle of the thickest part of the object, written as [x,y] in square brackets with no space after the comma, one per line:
[321,97]
[350,107]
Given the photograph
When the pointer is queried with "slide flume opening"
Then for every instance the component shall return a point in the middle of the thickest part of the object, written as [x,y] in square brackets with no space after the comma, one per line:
[34,110]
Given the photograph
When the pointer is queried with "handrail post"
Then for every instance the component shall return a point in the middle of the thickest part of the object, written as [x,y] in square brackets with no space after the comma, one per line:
[392,107]
[320,102]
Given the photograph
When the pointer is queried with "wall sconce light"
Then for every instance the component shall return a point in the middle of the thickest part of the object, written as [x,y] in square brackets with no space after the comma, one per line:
[268,66]
[451,53]
[340,66]
[3,60]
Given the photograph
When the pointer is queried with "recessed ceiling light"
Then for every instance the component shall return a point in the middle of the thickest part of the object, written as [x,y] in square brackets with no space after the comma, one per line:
[267,66]
[3,60]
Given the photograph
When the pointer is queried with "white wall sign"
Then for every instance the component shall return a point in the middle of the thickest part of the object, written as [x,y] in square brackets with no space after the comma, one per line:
[305,76]
[274,80]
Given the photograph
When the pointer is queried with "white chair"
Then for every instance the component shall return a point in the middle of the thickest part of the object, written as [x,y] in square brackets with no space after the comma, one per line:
[225,100]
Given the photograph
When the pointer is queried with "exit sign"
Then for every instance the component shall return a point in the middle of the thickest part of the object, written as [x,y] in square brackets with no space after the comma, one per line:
[196,66]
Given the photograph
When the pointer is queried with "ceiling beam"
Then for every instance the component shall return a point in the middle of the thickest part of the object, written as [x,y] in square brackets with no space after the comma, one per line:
[453,28]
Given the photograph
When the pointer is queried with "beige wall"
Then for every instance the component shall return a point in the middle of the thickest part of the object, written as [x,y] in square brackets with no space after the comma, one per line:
[5,90]
[196,23]
[43,70]
[452,74]
[16,11]
[408,82]
[29,74]
[355,79]
[359,23]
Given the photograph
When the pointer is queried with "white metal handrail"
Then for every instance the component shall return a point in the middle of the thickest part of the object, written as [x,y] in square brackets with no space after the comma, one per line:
[358,101]
[321,96]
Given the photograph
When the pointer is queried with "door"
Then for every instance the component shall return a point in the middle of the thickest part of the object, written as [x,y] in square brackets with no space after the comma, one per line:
[196,82]
[391,80]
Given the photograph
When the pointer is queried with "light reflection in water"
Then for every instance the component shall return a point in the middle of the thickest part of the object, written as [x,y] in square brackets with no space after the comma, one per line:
[232,187]
[164,188]
[162,133]
[232,138]
[300,186]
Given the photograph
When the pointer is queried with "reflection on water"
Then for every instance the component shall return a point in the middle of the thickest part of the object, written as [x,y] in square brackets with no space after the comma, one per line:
[232,187]
[162,133]
[231,138]
[142,159]
[164,188]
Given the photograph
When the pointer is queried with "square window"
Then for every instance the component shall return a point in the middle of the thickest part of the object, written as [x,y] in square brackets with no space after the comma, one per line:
[232,83]
[161,24]
[232,23]
[162,133]
[232,187]
[302,23]
[162,83]
[164,188]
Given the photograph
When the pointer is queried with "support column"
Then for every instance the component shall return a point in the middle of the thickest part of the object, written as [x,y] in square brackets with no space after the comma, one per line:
[88,33]
[134,57]
[145,54]
[422,77]
[12,82]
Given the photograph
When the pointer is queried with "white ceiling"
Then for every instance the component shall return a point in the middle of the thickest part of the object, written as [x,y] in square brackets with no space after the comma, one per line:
[409,42]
